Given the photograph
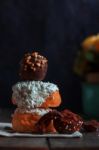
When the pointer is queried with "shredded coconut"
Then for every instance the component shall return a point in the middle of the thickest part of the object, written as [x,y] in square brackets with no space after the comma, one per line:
[31,94]
[38,111]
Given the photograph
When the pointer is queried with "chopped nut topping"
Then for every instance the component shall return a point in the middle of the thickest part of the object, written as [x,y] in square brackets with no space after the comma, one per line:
[32,64]
[34,69]
[29,57]
[34,54]
[38,64]
[29,63]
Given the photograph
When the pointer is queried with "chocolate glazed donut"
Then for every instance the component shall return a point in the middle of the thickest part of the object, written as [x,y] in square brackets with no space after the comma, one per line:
[33,66]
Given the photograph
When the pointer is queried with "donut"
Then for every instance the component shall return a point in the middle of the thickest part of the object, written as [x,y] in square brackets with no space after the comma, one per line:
[33,66]
[25,121]
[35,94]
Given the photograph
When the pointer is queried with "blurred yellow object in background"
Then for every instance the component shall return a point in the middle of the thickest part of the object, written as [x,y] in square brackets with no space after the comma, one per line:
[91,43]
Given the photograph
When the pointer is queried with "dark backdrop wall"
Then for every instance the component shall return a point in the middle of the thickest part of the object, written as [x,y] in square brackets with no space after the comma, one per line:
[53,27]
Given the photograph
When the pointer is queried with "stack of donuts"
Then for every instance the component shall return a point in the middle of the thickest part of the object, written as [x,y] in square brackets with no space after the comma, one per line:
[34,97]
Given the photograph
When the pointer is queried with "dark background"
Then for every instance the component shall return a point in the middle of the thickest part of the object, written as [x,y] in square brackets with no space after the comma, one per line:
[55,28]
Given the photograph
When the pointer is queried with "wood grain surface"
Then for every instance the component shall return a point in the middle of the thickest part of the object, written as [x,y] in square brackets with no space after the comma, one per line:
[23,143]
[89,141]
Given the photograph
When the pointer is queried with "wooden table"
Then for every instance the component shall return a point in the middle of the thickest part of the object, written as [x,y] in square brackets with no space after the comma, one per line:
[89,141]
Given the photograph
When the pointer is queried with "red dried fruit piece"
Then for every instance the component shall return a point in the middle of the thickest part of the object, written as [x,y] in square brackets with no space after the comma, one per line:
[91,126]
[69,122]
[46,120]
[64,122]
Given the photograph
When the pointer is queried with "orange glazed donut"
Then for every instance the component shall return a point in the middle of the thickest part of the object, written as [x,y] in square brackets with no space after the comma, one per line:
[26,121]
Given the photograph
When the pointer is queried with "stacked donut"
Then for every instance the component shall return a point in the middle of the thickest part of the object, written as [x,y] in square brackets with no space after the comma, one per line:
[34,98]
